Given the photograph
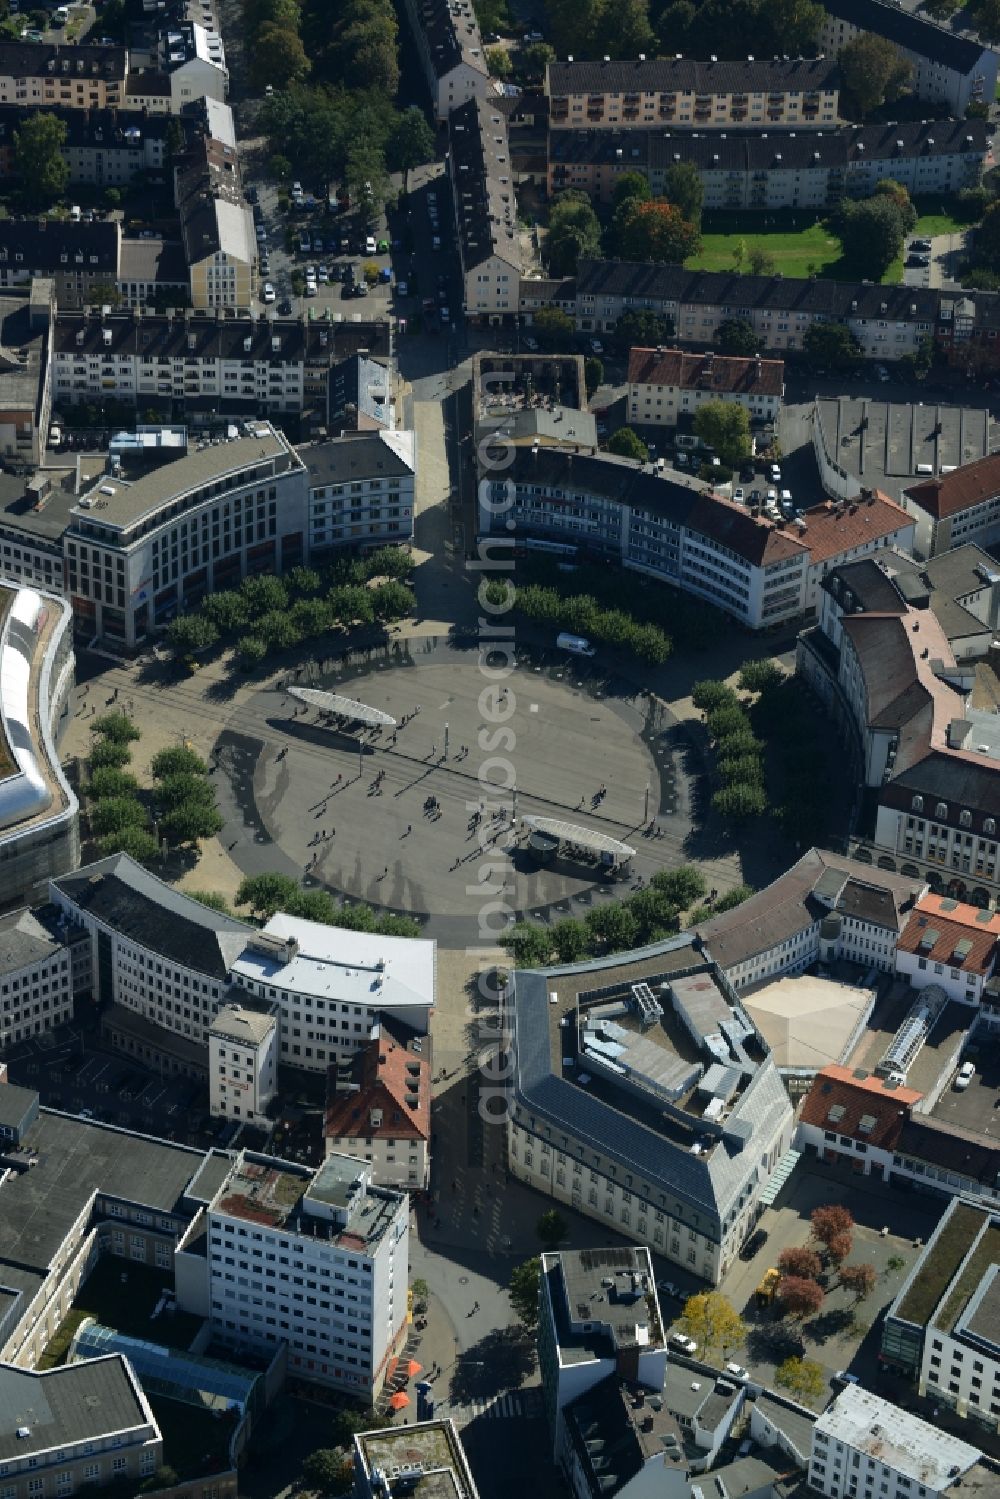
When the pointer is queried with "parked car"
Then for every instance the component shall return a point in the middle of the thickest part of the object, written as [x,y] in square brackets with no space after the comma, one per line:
[667,1288]
[842,1377]
[382,247]
[921,244]
[964,1076]
[402,289]
[916,261]
[312,290]
[756,1241]
[370,245]
[736,1371]
[775,474]
[324,273]
[285,307]
[739,496]
[596,347]
[531,344]
[882,374]
[684,1343]
[268,294]
[296,189]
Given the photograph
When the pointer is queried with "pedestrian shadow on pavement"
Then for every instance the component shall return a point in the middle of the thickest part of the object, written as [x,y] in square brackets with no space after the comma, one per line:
[500,1361]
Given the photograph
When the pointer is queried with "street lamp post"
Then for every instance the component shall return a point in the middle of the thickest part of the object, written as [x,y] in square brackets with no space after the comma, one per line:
[645,814]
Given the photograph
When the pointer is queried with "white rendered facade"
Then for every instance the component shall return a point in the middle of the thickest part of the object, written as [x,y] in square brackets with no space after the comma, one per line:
[36,982]
[864,1445]
[316,1260]
[242,1063]
[332,986]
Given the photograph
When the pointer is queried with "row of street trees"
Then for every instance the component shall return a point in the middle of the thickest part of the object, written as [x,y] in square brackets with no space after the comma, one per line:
[267,893]
[696,28]
[616,925]
[271,614]
[583,615]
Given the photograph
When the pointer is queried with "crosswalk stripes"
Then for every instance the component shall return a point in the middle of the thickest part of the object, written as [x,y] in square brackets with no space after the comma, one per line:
[517,1403]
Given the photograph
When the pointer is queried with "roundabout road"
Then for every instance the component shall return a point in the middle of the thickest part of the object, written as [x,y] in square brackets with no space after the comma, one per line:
[299,796]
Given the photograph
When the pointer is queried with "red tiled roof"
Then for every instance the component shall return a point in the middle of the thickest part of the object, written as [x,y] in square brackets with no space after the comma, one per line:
[835,530]
[852,1099]
[950,493]
[952,923]
[388,1077]
[717,373]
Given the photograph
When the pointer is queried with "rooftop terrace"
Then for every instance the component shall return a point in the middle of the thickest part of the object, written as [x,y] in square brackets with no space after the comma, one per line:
[432,1447]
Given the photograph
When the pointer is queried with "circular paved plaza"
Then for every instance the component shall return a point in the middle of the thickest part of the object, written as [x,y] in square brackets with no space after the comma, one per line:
[395,824]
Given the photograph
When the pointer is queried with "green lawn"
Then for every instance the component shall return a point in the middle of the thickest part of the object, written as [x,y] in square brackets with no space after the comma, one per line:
[798,245]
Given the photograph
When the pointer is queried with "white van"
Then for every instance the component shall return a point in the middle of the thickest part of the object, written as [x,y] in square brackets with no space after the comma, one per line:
[578,645]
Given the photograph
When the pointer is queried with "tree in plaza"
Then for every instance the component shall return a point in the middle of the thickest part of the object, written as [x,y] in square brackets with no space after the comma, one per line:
[801,1262]
[554,327]
[191,632]
[574,231]
[552,1228]
[116,812]
[681,886]
[682,187]
[184,790]
[613,926]
[801,1377]
[799,1296]
[644,329]
[735,335]
[758,676]
[523,1291]
[38,158]
[329,1472]
[108,780]
[133,839]
[830,1221]
[570,939]
[839,1247]
[191,821]
[858,1278]
[109,754]
[212,899]
[117,727]
[713,1322]
[411,143]
[251,652]
[529,945]
[873,71]
[707,695]
[832,346]
[266,893]
[654,231]
[632,184]
[739,802]
[228,610]
[176,760]
[725,426]
[626,444]
[279,57]
[263,593]
[347,1423]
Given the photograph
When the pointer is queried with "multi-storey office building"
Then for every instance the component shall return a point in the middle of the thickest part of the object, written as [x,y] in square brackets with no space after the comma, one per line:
[334,987]
[83,1426]
[317,1261]
[361,489]
[762,170]
[173,962]
[680,91]
[138,551]
[36,979]
[947,68]
[243,1050]
[643,1096]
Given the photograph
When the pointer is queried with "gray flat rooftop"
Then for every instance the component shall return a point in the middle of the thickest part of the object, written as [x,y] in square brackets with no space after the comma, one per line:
[15,1103]
[120,504]
[75,1160]
[596,1286]
[982,1318]
[48,518]
[889,1015]
[65,1406]
[883,443]
[434,1445]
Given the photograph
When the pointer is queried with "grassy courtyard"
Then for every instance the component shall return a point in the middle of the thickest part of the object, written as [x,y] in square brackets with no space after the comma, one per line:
[799,244]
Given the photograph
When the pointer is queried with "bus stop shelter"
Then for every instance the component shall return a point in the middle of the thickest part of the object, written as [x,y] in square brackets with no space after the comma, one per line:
[552,833]
[348,709]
